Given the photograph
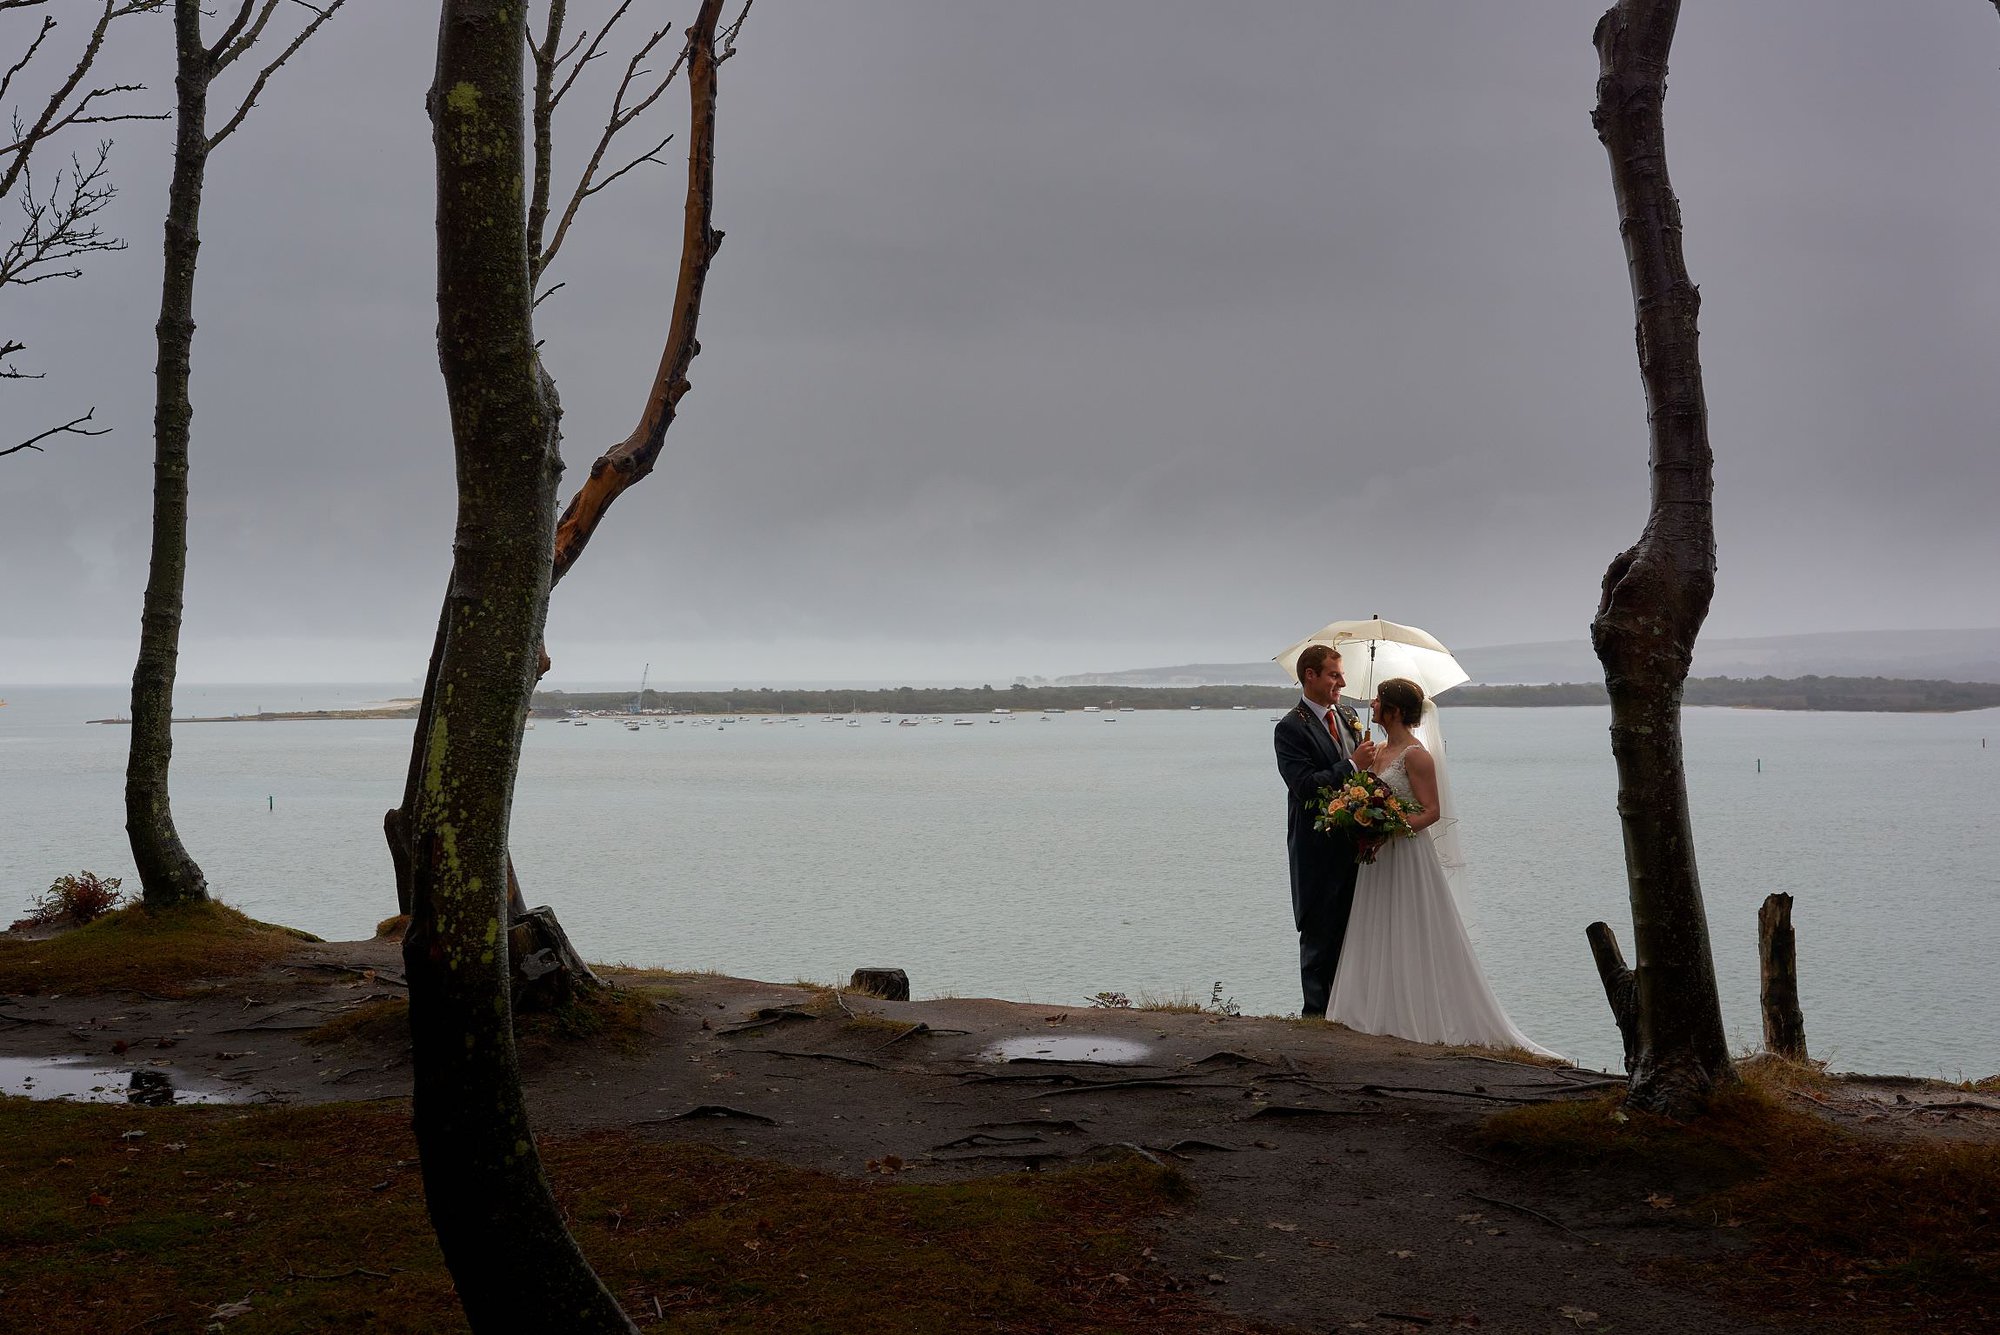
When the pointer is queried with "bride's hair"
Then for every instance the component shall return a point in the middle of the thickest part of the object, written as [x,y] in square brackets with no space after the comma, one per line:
[1405,697]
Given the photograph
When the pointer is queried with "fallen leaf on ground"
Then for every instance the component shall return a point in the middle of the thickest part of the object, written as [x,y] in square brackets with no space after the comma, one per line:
[1659,1200]
[1578,1315]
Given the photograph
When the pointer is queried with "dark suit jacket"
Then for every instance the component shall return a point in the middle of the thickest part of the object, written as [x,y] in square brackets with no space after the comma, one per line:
[1322,863]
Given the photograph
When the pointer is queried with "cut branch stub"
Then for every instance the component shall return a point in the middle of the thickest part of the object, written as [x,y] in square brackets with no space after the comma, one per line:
[1620,988]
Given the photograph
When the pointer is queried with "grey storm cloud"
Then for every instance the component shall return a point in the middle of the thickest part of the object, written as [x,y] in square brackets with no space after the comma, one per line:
[1048,336]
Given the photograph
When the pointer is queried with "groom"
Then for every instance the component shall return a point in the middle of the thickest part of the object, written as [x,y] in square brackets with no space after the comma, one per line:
[1319,744]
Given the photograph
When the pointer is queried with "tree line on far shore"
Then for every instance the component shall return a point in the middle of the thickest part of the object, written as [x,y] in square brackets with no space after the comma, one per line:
[1841,694]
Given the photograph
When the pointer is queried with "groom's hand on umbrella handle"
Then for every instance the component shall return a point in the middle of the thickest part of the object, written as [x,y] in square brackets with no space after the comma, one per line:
[1364,755]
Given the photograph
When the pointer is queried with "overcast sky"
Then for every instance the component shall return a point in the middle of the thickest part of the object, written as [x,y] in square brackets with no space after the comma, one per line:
[1054,338]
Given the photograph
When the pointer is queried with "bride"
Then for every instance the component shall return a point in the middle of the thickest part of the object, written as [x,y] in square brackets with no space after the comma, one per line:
[1407,967]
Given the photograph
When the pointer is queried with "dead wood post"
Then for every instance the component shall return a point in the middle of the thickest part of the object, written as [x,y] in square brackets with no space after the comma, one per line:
[1778,968]
[1621,989]
[888,984]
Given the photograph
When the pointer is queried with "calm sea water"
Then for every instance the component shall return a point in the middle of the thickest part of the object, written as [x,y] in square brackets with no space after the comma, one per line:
[1049,859]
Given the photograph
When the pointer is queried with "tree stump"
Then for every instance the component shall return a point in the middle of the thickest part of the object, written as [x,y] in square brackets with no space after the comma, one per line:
[1621,989]
[1778,968]
[888,984]
[546,971]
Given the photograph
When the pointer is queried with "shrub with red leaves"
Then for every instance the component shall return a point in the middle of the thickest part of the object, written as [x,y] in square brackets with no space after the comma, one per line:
[74,901]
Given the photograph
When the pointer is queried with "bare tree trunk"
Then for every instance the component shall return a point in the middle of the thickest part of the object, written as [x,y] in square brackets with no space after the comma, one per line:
[1656,594]
[515,1265]
[168,875]
[166,871]
[632,459]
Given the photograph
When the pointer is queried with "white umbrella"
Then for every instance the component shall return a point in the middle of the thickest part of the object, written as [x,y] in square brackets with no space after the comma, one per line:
[1375,650]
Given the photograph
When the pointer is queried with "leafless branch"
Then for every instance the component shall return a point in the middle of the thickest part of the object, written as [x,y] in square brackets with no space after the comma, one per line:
[320,16]
[74,428]
[7,80]
[228,46]
[58,230]
[621,117]
[64,107]
[596,49]
[728,39]
[59,227]
[542,120]
[633,458]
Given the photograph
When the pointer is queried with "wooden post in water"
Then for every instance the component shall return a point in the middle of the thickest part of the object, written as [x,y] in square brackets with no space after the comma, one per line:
[1778,967]
[888,984]
[1621,989]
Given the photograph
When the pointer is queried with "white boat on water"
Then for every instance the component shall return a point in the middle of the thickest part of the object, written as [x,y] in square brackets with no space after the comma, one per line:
[631,726]
[1003,711]
[961,723]
[1092,709]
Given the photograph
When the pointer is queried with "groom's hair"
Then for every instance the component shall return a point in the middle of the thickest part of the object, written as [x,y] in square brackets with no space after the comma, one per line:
[1313,658]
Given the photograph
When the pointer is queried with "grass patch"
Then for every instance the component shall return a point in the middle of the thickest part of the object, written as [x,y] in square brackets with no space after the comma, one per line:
[317,1214]
[392,927]
[618,1016]
[1891,1234]
[386,1020]
[866,1024]
[171,953]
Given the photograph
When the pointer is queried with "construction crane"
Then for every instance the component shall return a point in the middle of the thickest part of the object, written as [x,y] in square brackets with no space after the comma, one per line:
[639,700]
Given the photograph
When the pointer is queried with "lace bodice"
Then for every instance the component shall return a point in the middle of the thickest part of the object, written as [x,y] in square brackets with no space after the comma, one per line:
[1397,777]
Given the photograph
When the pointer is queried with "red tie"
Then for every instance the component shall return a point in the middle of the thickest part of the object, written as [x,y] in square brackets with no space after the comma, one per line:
[1329,722]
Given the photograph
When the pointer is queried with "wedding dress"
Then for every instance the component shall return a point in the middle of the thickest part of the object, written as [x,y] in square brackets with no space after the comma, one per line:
[1407,967]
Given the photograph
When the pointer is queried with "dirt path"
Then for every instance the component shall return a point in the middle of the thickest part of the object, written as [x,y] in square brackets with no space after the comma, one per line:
[1335,1187]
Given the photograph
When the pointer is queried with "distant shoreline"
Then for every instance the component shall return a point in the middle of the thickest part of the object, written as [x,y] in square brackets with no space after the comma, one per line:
[392,710]
[1793,694]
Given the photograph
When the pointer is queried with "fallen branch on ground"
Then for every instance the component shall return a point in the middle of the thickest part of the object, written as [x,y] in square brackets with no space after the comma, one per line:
[1528,1210]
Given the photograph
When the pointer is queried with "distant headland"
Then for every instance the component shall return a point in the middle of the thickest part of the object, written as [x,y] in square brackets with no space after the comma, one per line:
[1825,694]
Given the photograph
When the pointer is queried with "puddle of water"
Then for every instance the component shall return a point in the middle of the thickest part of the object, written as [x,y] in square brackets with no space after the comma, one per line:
[1065,1048]
[77,1080]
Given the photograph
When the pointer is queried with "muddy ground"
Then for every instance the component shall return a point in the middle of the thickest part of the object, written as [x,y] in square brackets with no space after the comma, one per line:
[1336,1187]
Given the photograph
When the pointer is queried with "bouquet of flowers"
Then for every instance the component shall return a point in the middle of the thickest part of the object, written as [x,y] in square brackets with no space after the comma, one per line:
[1366,811]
